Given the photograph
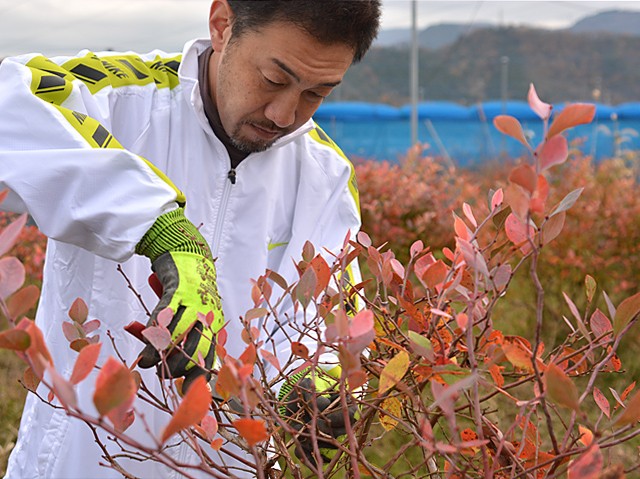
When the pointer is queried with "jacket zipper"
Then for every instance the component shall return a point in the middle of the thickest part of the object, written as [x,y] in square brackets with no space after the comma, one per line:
[224,202]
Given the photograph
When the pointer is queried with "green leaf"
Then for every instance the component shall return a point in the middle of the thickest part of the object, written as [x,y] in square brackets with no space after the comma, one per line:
[568,201]
[625,312]
[590,286]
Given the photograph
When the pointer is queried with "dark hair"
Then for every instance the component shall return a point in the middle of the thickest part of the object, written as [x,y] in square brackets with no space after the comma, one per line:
[350,22]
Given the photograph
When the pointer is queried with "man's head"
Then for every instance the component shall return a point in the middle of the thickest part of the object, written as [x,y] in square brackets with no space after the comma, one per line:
[274,61]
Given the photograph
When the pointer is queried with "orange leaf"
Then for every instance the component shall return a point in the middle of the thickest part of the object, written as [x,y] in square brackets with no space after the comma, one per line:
[115,387]
[518,353]
[299,349]
[216,444]
[510,126]
[253,431]
[193,407]
[525,177]
[586,436]
[518,233]
[560,388]
[85,362]
[323,274]
[15,339]
[435,274]
[37,351]
[22,301]
[572,115]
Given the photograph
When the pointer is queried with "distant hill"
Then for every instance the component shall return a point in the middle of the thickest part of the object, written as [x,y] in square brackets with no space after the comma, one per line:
[433,37]
[616,22]
[564,65]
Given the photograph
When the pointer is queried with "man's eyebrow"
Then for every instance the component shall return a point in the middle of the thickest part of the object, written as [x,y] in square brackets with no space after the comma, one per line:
[296,77]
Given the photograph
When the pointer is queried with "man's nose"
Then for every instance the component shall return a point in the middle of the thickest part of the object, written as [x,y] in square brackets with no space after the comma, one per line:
[281,110]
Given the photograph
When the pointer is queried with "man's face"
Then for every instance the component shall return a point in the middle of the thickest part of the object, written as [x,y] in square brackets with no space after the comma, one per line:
[268,83]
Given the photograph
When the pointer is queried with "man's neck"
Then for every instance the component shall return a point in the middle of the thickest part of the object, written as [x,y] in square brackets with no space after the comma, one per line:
[211,111]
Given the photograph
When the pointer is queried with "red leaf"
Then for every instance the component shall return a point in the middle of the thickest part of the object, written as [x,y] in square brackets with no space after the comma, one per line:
[22,301]
[192,409]
[253,431]
[518,234]
[525,177]
[497,199]
[15,339]
[600,325]
[601,402]
[63,389]
[510,126]
[543,110]
[155,284]
[588,465]
[159,337]
[572,115]
[361,324]
[12,276]
[85,362]
[209,425]
[79,311]
[10,234]
[271,359]
[135,328]
[554,152]
[115,387]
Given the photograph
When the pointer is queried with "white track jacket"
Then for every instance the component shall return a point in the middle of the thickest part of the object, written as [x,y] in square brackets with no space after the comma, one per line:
[85,144]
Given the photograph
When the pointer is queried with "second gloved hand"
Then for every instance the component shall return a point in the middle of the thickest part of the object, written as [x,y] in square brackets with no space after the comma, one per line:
[182,263]
[307,395]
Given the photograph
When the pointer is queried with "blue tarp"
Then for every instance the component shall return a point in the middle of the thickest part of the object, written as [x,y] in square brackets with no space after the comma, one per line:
[464,133]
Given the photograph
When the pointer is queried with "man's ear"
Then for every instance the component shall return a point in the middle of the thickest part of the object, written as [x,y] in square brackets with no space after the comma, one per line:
[220,21]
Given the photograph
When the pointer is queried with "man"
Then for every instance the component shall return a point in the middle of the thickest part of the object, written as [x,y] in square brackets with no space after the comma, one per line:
[99,148]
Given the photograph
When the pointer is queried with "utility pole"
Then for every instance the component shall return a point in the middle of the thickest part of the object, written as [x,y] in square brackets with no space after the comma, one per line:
[414,72]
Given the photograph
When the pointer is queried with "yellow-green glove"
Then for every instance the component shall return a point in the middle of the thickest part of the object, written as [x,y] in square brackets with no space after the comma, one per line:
[299,394]
[182,262]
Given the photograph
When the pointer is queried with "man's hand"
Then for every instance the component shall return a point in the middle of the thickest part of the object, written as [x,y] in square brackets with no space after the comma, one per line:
[312,396]
[182,263]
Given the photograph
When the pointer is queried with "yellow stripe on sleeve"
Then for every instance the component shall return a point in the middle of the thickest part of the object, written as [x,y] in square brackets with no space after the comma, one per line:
[321,137]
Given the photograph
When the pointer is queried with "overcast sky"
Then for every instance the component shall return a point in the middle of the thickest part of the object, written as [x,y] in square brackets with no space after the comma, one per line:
[56,27]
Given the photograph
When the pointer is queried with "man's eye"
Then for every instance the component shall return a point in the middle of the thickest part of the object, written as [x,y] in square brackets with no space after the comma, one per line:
[273,83]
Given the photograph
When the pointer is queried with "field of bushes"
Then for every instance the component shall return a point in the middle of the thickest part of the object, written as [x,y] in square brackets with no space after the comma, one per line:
[417,199]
